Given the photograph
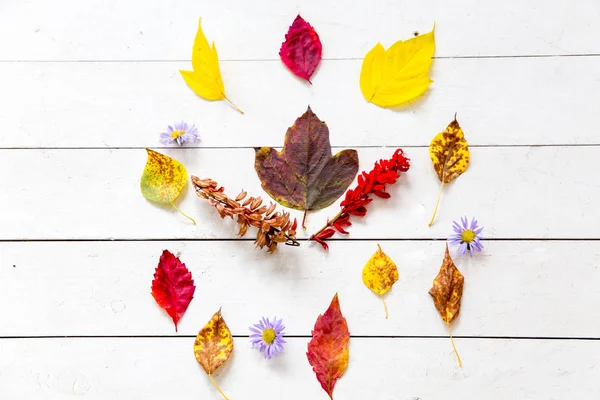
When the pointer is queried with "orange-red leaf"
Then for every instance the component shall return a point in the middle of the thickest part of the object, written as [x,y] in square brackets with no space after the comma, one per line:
[328,348]
[173,287]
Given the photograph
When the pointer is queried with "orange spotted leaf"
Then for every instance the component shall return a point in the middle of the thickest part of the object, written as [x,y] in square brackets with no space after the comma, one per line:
[447,293]
[328,348]
[173,287]
[213,346]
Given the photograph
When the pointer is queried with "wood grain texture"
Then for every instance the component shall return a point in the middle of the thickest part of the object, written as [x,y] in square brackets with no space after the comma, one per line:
[522,75]
[127,30]
[513,289]
[94,194]
[98,369]
[514,101]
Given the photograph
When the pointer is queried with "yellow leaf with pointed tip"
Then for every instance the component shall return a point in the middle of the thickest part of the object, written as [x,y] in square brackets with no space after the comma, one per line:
[400,74]
[449,152]
[163,179]
[205,80]
[213,346]
[379,274]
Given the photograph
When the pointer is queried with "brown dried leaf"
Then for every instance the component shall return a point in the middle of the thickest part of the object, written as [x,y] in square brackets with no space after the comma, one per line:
[447,293]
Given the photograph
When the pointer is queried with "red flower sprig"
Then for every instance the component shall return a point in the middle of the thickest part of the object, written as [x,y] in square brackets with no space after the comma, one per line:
[385,172]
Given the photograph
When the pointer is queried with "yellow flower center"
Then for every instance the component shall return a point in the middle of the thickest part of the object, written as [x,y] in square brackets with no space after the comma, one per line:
[176,133]
[467,236]
[269,336]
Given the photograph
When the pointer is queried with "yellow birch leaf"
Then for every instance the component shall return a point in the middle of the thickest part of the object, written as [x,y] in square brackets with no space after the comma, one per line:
[400,74]
[163,179]
[449,152]
[205,80]
[213,346]
[379,274]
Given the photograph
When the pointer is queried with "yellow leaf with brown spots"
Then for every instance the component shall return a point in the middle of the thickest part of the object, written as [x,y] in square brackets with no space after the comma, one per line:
[379,274]
[447,293]
[163,179]
[449,152]
[213,346]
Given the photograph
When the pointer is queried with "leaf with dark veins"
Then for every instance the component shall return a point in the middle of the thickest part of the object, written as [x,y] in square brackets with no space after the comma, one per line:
[305,175]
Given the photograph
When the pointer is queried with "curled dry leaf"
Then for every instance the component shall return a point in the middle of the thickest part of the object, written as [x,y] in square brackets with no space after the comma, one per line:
[205,80]
[163,180]
[447,293]
[449,152]
[379,274]
[173,287]
[400,74]
[304,175]
[213,346]
[302,49]
[328,349]
[273,227]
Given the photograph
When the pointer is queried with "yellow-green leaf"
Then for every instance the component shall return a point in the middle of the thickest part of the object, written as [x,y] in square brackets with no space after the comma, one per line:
[400,74]
[379,274]
[213,346]
[205,80]
[449,152]
[163,179]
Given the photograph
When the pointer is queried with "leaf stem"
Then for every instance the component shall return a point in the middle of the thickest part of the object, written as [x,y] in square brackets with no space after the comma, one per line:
[233,105]
[385,306]
[304,219]
[182,213]
[453,346]
[217,386]
[437,203]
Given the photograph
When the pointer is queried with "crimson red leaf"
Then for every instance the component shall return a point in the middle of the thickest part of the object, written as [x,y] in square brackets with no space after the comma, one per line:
[302,49]
[173,287]
[328,348]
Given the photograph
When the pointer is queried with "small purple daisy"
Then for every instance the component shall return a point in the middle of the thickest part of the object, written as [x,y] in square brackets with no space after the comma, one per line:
[468,236]
[267,336]
[179,133]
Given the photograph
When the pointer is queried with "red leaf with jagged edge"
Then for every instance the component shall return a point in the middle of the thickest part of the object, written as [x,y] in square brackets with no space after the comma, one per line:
[173,287]
[301,52]
[328,348]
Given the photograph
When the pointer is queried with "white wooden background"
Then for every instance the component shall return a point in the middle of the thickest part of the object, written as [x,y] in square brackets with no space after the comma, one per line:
[86,85]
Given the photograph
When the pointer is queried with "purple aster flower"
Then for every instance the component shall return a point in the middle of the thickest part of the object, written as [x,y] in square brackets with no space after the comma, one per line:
[467,237]
[267,336]
[179,133]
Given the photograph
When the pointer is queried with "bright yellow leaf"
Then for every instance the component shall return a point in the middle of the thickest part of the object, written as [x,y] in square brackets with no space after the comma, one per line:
[163,179]
[205,80]
[213,346]
[449,152]
[400,74]
[379,274]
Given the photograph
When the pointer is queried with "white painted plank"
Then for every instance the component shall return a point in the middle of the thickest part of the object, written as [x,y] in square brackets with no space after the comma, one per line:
[514,289]
[499,101]
[164,30]
[383,369]
[537,192]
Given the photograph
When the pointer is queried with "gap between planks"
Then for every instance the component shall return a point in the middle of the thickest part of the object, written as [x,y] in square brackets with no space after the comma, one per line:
[556,338]
[467,57]
[349,239]
[423,146]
